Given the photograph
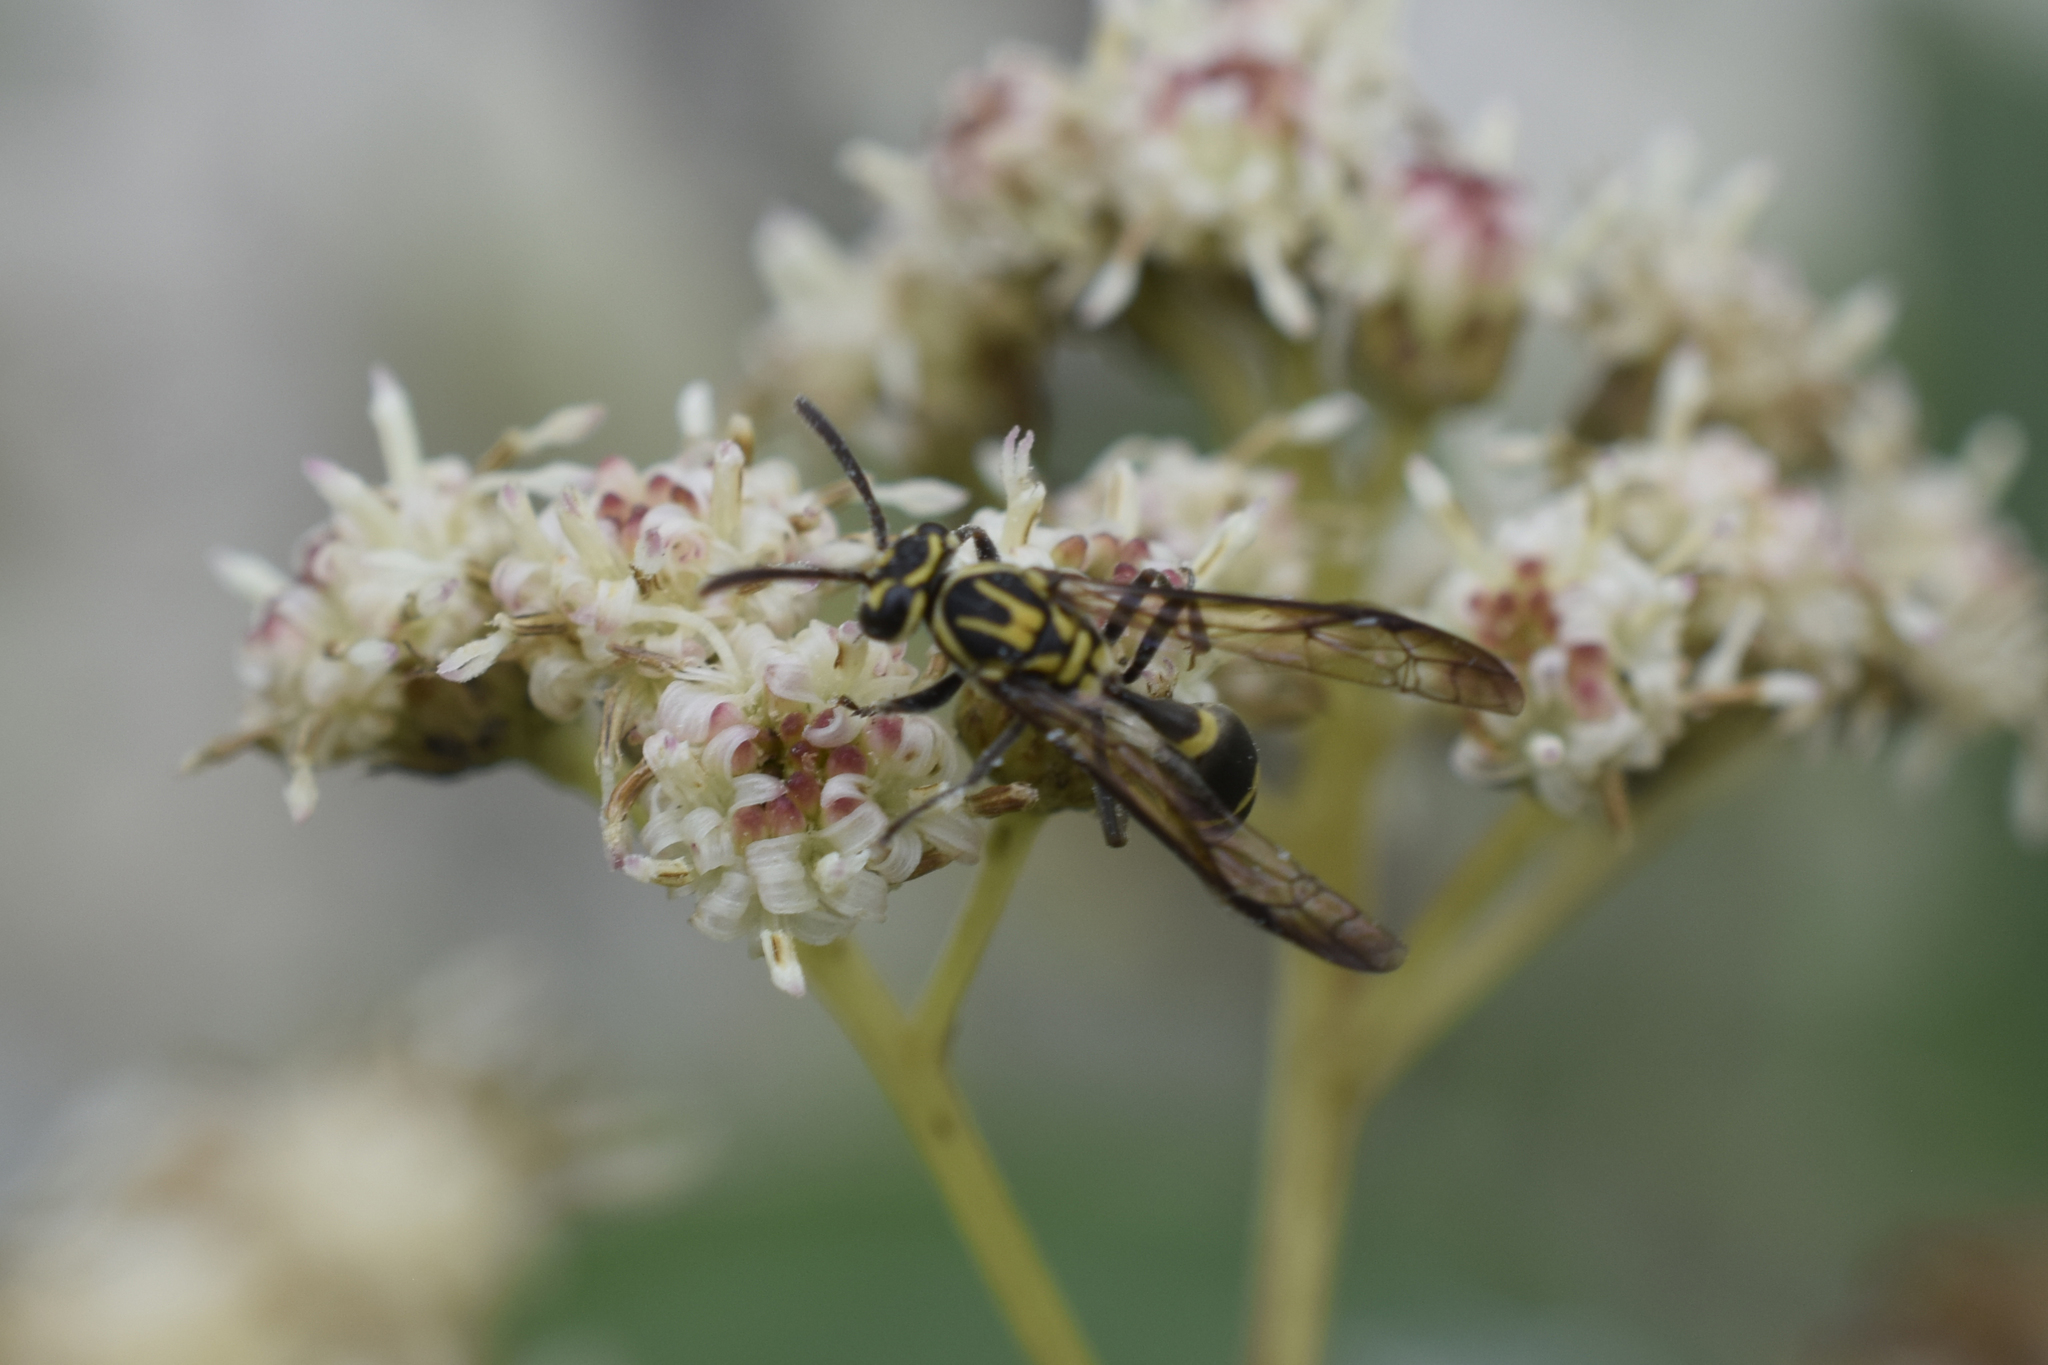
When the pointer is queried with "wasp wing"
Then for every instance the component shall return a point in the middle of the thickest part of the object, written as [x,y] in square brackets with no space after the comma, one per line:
[1349,641]
[1157,785]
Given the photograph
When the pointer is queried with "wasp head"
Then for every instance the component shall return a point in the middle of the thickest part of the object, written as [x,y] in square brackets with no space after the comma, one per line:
[899,593]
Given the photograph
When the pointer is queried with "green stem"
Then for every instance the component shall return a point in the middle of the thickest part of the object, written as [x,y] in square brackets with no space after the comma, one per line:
[1305,1165]
[907,1056]
[1305,1158]
[1460,958]
[1460,969]
[1002,862]
[1339,1039]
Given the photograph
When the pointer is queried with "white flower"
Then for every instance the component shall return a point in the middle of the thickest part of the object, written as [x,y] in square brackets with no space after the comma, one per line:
[768,795]
[603,579]
[1151,502]
[1772,559]
[1674,578]
[1014,180]
[386,589]
[1890,592]
[1964,604]
[1597,637]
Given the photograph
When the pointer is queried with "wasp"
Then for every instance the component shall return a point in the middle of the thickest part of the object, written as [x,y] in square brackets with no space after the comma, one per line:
[1042,645]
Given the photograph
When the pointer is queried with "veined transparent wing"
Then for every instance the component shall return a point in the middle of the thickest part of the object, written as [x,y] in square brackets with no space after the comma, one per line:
[1348,641]
[1250,872]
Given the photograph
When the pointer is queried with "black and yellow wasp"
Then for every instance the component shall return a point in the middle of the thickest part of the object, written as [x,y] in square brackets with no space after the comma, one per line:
[1041,644]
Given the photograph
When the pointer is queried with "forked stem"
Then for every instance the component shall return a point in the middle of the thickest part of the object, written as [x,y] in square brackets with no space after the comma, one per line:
[1342,1040]
[907,1055]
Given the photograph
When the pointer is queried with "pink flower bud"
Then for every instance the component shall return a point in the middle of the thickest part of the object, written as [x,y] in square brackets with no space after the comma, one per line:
[784,818]
[1589,682]
[806,791]
[883,734]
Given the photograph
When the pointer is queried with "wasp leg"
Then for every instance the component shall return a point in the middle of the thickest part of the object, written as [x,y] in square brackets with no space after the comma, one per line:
[984,764]
[1156,631]
[924,699]
[1116,821]
[983,545]
[1127,609]
[1155,634]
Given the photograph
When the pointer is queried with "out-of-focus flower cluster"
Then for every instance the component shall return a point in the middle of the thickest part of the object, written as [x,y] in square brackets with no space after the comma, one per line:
[1949,1295]
[379,1207]
[1276,142]
[1647,267]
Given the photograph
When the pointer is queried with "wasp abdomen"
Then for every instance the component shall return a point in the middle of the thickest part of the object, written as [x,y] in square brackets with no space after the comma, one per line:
[1213,739]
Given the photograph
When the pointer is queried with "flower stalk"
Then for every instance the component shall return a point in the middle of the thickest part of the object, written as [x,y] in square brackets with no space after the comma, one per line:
[907,1056]
[1305,1157]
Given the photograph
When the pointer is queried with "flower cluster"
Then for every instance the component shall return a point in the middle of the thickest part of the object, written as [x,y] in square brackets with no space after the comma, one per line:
[920,354]
[537,599]
[769,791]
[1687,572]
[379,1207]
[1277,142]
[341,653]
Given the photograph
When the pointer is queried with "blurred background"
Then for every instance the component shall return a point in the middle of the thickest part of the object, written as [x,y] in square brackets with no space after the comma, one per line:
[1812,1027]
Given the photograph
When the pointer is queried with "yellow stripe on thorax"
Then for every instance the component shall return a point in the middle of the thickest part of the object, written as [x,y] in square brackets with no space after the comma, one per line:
[1020,627]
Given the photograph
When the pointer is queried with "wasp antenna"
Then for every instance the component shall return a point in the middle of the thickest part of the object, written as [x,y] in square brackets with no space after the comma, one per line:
[829,434]
[776,573]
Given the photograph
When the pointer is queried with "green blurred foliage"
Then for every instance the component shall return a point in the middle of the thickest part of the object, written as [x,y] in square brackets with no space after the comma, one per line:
[1813,1025]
